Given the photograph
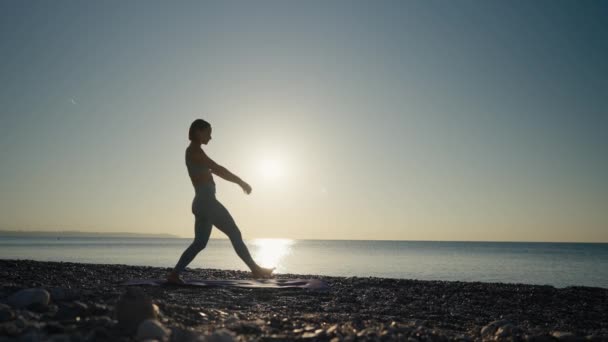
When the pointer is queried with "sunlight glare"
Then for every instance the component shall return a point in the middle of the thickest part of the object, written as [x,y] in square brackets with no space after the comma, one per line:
[270,252]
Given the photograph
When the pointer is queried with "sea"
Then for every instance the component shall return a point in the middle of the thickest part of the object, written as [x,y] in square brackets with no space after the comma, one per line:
[556,264]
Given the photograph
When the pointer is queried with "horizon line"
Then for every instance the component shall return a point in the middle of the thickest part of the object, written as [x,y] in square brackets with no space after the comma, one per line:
[175,236]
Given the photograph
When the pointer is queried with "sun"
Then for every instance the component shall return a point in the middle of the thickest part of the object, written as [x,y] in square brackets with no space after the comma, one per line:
[271,168]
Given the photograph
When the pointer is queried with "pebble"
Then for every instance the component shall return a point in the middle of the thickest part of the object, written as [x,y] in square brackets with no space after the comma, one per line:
[332,329]
[132,308]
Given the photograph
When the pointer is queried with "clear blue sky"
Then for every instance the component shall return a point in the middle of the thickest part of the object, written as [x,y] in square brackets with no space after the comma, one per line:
[413,120]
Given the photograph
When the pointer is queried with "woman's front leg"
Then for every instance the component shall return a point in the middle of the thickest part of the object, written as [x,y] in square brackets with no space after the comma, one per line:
[224,222]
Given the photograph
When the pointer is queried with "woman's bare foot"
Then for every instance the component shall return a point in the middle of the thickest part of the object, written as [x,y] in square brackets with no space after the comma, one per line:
[262,272]
[173,278]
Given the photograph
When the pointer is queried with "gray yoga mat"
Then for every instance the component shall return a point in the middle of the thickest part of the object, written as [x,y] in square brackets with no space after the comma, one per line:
[315,284]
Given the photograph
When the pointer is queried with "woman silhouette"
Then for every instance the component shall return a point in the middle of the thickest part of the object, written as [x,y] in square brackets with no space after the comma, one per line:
[207,210]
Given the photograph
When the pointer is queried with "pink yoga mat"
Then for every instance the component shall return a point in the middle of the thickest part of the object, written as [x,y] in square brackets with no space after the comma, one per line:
[315,284]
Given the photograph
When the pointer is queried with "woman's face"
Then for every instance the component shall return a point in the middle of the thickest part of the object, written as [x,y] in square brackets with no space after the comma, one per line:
[204,135]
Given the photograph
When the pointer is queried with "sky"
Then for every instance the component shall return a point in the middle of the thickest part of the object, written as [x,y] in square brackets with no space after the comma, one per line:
[382,120]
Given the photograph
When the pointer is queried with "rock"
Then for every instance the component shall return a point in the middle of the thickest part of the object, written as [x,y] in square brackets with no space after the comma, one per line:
[6,313]
[152,329]
[132,308]
[28,298]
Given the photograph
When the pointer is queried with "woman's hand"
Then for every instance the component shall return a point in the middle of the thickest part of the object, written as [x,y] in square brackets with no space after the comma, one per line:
[246,187]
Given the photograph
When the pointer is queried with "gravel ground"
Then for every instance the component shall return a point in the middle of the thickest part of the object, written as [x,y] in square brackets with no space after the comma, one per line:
[84,304]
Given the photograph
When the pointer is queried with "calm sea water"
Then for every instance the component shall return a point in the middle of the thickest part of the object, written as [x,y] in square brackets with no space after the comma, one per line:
[557,264]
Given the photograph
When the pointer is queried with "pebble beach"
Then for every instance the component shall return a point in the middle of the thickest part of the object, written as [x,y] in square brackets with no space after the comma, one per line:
[61,301]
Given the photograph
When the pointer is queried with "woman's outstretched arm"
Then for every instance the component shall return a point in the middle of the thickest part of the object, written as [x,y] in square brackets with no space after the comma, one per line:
[231,177]
[224,172]
[227,175]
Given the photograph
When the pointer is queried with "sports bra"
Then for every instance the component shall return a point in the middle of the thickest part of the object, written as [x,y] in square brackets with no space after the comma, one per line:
[195,168]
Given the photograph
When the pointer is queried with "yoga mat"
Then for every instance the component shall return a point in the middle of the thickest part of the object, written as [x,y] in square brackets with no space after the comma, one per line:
[315,284]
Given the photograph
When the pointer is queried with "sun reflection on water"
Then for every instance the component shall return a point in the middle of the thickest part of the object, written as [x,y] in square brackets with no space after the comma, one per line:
[270,252]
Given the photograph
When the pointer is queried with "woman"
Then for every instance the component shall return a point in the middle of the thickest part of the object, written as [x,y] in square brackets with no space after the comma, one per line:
[207,210]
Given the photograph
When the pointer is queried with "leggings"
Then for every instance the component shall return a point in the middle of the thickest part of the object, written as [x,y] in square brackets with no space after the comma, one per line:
[208,212]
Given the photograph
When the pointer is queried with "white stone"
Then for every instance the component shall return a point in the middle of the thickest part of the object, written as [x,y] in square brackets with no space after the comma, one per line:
[564,336]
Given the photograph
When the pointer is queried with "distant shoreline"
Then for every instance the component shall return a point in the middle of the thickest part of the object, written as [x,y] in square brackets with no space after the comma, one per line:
[75,233]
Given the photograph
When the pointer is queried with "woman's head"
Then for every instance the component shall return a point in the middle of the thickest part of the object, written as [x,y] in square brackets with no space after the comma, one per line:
[200,131]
